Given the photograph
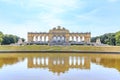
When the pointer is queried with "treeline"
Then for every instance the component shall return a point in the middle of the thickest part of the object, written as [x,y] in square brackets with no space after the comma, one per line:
[109,38]
[6,39]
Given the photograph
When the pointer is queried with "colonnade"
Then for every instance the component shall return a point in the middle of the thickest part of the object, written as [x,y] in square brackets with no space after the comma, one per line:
[58,38]
[77,38]
[40,38]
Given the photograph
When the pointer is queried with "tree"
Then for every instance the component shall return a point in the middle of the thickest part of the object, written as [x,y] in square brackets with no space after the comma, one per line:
[112,39]
[117,37]
[93,39]
[108,38]
[1,37]
[9,39]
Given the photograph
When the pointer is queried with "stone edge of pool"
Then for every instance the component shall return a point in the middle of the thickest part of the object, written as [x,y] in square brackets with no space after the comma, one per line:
[49,51]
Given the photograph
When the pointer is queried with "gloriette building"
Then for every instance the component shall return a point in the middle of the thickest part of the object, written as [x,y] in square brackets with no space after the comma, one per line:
[58,36]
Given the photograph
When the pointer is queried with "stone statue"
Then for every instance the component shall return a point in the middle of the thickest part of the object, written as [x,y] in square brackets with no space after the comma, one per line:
[98,41]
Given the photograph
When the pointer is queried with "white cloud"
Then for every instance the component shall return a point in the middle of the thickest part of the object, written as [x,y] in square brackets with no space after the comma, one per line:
[52,9]
[42,15]
[54,6]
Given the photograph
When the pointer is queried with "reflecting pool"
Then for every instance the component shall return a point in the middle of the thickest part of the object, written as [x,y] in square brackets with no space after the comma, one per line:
[59,66]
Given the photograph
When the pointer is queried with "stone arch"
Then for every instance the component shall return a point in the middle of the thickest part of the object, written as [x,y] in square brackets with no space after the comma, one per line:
[74,38]
[39,39]
[58,38]
[47,38]
[34,38]
[79,39]
[43,38]
[63,38]
[54,38]
[83,38]
[70,38]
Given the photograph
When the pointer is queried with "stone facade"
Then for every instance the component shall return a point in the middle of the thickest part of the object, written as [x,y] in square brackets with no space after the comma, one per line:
[58,36]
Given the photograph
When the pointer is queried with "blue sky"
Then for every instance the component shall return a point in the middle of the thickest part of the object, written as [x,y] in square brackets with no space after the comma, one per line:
[96,16]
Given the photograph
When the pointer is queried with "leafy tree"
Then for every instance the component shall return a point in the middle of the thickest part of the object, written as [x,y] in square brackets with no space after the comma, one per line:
[108,38]
[8,39]
[117,37]
[112,39]
[1,37]
[93,39]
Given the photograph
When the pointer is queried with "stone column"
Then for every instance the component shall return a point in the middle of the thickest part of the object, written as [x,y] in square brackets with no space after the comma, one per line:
[36,38]
[30,37]
[67,38]
[72,38]
[40,38]
[77,38]
[44,38]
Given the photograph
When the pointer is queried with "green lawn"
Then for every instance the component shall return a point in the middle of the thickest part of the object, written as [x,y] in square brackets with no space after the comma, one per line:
[68,48]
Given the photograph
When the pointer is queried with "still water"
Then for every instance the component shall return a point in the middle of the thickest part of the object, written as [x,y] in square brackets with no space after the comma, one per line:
[59,66]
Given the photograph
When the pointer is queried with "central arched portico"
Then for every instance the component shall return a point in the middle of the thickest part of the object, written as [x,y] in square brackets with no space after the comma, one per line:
[58,38]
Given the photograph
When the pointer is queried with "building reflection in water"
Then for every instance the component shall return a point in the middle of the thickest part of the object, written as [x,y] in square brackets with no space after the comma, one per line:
[60,63]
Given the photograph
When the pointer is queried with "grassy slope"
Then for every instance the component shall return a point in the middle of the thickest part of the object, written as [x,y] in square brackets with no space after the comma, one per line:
[44,47]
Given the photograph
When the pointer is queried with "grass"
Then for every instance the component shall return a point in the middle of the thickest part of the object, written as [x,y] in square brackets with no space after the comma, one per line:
[59,48]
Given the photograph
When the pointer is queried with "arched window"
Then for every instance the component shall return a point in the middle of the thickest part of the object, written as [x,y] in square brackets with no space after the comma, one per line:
[79,39]
[54,38]
[70,38]
[62,38]
[43,38]
[39,38]
[34,38]
[74,38]
[47,38]
[83,38]
[58,38]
